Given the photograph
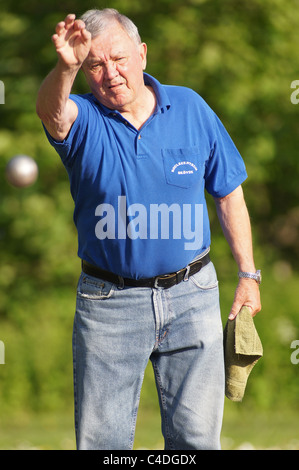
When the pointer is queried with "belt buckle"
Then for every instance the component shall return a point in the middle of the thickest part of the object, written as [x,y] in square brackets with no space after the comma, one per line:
[157,279]
[165,276]
[173,275]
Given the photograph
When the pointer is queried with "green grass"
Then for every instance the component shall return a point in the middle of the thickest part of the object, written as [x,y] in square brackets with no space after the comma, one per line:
[244,427]
[36,431]
[241,430]
[250,429]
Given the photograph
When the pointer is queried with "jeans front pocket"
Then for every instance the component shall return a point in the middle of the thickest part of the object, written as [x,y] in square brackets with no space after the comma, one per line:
[93,289]
[206,278]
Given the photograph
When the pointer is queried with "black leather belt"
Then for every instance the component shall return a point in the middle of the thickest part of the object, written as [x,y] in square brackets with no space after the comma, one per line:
[165,280]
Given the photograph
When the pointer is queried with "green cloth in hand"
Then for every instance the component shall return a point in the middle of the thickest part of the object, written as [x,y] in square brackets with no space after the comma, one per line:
[242,350]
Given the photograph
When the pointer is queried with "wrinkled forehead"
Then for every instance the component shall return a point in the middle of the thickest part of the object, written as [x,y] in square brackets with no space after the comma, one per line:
[111,43]
[114,34]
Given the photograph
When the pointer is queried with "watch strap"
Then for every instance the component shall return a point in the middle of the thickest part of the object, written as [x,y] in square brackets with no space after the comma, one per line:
[255,276]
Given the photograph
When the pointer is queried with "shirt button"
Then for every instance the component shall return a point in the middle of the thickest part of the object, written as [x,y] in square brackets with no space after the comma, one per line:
[139,137]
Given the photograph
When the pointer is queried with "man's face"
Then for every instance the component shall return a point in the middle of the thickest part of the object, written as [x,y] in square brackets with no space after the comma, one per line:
[114,68]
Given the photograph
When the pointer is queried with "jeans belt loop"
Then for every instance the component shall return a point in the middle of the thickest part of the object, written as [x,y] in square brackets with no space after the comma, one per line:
[121,284]
[186,276]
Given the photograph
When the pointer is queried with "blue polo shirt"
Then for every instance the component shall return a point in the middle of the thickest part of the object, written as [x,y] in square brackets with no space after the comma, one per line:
[139,195]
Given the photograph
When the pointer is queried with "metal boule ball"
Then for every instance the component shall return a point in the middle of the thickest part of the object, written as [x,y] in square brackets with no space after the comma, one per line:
[21,171]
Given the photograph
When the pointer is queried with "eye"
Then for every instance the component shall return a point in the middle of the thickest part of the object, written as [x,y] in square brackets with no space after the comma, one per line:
[121,60]
[95,66]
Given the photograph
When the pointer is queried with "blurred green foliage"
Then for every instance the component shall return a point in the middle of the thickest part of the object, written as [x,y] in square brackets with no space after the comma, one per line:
[241,57]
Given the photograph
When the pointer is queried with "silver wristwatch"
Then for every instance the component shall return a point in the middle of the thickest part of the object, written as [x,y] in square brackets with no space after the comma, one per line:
[257,276]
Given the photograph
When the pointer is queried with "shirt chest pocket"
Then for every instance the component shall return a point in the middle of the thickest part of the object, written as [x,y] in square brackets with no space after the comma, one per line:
[183,167]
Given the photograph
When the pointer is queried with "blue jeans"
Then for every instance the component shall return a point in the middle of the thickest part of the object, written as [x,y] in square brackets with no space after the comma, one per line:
[116,333]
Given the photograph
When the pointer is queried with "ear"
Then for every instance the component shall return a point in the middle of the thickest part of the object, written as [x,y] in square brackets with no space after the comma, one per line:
[143,53]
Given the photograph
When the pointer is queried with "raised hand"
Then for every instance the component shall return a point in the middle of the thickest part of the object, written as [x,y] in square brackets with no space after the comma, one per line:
[72,41]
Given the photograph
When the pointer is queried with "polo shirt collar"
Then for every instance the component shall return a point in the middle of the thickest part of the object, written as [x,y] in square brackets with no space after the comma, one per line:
[163,102]
[161,95]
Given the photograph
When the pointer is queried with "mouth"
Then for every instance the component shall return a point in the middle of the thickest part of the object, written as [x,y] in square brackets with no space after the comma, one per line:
[115,86]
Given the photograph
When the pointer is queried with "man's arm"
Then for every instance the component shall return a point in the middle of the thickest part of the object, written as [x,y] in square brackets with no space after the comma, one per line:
[234,219]
[58,113]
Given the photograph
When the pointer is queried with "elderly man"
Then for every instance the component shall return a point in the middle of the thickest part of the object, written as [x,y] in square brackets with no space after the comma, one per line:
[139,156]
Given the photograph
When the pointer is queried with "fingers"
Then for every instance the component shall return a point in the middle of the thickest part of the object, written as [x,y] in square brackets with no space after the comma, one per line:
[63,26]
[69,23]
[247,294]
[69,20]
[236,309]
[72,41]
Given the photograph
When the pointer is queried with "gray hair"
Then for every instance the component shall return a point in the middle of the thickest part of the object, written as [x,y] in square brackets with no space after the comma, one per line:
[96,21]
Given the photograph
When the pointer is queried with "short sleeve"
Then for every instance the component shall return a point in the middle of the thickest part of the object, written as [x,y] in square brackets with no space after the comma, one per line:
[68,148]
[225,168]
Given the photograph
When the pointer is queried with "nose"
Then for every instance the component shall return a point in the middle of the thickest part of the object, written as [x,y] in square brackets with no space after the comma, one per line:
[110,71]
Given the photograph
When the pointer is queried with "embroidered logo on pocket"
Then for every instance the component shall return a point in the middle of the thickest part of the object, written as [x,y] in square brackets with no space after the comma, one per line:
[184,168]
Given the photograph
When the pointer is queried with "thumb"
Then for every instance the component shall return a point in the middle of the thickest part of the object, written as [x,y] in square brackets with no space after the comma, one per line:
[235,310]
